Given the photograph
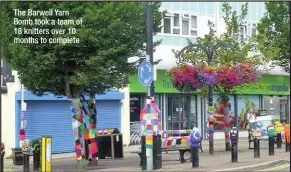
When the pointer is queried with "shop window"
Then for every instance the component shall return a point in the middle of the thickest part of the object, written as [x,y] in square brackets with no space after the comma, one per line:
[219,116]
[245,106]
[135,107]
[283,109]
[272,105]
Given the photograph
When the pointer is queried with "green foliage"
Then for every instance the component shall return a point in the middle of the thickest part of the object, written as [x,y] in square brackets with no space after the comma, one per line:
[111,32]
[35,145]
[228,48]
[274,34]
[220,50]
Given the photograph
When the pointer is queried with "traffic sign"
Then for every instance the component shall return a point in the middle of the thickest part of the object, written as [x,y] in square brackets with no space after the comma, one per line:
[145,73]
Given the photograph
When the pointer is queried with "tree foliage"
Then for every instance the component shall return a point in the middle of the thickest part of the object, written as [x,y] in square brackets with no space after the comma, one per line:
[111,32]
[225,49]
[274,34]
[221,51]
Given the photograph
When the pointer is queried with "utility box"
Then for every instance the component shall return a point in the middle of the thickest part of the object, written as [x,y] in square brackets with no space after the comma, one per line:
[110,143]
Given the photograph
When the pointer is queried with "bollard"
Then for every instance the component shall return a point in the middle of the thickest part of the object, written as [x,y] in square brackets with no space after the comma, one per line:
[35,149]
[287,147]
[25,162]
[46,154]
[2,153]
[234,141]
[256,147]
[271,134]
[26,151]
[287,137]
[271,146]
[36,161]
[279,140]
[143,160]
[195,139]
[157,152]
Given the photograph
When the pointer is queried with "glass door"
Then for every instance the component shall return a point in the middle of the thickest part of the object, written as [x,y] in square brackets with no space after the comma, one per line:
[283,110]
[178,112]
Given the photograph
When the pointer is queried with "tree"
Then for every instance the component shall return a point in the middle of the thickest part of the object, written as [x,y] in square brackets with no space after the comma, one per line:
[274,34]
[230,65]
[110,33]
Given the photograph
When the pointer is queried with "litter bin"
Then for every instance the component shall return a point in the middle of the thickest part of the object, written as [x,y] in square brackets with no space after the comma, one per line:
[17,156]
[109,143]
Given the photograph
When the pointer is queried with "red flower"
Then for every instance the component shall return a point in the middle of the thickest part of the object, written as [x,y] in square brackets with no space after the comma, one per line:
[190,78]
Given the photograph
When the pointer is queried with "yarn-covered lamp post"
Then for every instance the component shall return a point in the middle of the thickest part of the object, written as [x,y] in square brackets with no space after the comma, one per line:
[222,78]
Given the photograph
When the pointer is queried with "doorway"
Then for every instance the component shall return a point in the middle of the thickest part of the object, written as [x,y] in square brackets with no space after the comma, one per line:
[179,112]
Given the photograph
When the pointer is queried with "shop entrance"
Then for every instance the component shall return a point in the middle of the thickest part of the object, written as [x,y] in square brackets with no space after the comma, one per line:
[179,112]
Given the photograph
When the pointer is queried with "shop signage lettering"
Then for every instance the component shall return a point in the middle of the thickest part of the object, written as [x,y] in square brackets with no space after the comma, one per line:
[255,86]
[167,84]
[279,88]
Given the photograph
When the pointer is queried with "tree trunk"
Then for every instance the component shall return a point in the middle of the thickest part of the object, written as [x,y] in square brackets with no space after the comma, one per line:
[79,130]
[226,112]
[91,147]
[93,124]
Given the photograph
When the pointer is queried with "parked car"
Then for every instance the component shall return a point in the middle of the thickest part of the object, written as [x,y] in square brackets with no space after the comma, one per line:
[263,122]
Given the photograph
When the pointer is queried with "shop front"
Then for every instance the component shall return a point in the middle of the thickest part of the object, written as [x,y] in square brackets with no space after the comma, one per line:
[271,94]
[184,111]
[178,109]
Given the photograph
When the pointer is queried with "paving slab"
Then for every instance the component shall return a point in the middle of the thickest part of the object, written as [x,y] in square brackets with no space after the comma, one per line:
[220,160]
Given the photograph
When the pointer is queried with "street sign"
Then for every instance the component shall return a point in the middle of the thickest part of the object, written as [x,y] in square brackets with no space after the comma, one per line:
[145,73]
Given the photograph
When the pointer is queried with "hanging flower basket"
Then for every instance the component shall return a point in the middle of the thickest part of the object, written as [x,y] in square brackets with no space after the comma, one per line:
[190,78]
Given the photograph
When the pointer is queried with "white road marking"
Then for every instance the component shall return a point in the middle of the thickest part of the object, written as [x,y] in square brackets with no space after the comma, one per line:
[276,168]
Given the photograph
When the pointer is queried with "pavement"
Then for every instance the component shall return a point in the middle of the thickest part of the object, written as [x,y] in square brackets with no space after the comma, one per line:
[282,167]
[219,161]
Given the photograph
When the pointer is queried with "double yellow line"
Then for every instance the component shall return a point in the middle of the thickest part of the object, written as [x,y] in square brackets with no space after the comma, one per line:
[276,167]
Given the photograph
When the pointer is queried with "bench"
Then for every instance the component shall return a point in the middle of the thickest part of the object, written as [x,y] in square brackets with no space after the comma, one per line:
[182,152]
[175,140]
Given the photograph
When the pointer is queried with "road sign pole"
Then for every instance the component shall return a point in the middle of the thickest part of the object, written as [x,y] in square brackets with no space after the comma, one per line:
[149,25]
[1,56]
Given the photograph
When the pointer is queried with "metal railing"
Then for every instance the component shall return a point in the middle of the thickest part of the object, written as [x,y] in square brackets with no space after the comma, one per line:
[135,133]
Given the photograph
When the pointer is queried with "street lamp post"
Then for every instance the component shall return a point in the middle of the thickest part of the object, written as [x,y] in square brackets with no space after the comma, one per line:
[151,88]
[210,49]
[149,45]
[1,56]
[210,53]
[288,100]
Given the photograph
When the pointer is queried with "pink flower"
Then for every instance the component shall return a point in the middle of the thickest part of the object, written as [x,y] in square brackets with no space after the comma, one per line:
[190,78]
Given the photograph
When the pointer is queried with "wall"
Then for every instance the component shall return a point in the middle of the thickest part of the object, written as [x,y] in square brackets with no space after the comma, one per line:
[125,116]
[8,116]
